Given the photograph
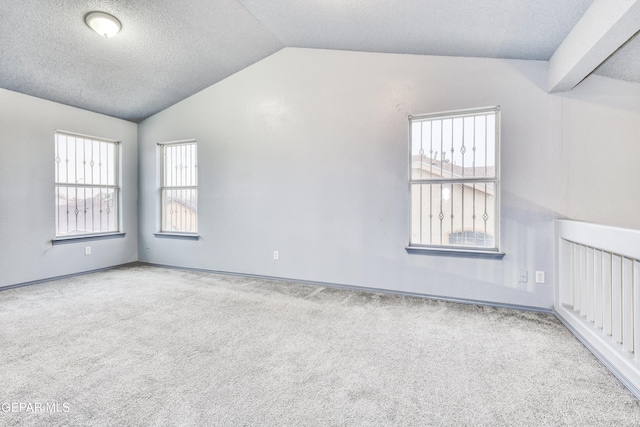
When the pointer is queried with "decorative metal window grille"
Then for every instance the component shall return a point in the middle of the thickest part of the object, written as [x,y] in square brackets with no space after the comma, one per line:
[179,191]
[470,238]
[454,179]
[86,185]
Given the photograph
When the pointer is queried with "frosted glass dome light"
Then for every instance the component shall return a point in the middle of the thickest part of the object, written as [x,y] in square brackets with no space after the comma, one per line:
[103,23]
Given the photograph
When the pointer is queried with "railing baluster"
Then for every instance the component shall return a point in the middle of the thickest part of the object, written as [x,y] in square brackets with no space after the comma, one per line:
[616,298]
[627,304]
[569,269]
[576,277]
[606,292]
[636,309]
[597,277]
[590,285]
[583,281]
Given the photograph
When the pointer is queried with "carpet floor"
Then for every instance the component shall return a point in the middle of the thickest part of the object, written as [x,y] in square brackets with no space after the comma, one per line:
[143,345]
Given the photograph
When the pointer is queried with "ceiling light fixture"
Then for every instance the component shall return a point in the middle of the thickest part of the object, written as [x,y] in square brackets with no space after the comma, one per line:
[103,23]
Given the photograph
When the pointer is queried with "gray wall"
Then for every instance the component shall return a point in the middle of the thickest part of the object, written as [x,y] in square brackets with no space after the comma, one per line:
[305,152]
[27,209]
[601,140]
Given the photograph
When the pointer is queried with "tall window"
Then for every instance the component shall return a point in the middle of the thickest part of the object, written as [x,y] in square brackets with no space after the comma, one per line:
[179,191]
[455,179]
[86,185]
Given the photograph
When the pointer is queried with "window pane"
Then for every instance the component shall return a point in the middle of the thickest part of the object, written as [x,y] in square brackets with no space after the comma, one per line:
[454,147]
[86,210]
[180,165]
[85,161]
[440,212]
[180,210]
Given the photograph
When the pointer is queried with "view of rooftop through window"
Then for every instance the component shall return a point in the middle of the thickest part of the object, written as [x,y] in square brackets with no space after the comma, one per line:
[441,140]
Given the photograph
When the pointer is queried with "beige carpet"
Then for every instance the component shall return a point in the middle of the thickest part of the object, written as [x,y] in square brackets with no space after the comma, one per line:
[145,345]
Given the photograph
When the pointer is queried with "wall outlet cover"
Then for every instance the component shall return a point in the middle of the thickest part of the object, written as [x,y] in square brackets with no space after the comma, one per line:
[523,276]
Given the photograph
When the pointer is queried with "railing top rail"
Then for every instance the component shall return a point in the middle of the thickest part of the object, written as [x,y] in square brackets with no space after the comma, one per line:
[618,240]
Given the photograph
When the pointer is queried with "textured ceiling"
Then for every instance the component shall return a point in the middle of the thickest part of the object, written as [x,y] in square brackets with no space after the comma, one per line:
[624,64]
[523,29]
[168,50]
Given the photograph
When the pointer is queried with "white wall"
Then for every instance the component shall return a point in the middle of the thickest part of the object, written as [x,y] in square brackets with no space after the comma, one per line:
[27,209]
[305,152]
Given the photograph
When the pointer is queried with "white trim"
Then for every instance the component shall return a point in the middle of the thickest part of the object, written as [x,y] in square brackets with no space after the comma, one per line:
[618,361]
[574,241]
[80,135]
[116,186]
[164,187]
[184,141]
[468,112]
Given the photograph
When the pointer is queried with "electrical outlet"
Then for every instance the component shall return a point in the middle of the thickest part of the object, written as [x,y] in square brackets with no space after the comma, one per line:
[147,244]
[539,276]
[522,276]
[276,255]
[87,250]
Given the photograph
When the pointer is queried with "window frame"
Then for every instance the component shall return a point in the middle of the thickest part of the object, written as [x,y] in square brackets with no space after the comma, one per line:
[116,187]
[163,186]
[454,250]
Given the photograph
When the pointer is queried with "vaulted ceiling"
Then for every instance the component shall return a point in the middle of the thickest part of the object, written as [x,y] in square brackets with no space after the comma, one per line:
[168,50]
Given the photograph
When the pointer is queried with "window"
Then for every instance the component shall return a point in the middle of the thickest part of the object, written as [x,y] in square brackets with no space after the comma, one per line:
[179,190]
[454,173]
[86,185]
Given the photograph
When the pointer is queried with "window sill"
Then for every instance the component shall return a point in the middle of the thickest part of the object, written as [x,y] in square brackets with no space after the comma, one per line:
[86,238]
[177,236]
[465,253]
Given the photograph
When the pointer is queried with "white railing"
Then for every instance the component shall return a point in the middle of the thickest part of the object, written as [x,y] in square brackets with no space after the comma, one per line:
[597,293]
